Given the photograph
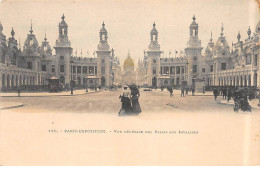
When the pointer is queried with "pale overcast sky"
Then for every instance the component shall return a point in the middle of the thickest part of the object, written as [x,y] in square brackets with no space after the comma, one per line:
[129,22]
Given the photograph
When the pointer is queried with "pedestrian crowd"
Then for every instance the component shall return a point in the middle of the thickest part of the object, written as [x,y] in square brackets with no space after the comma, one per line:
[239,95]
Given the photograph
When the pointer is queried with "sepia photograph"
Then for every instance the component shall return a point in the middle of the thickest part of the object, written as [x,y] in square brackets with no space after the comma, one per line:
[130,83]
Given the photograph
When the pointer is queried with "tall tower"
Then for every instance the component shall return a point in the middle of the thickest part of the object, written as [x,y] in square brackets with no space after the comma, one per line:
[63,53]
[153,58]
[193,52]
[104,59]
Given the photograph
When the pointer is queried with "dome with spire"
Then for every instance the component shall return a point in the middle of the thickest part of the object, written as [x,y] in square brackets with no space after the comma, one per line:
[129,63]
[45,48]
[103,29]
[31,44]
[222,47]
[210,47]
[63,23]
[154,30]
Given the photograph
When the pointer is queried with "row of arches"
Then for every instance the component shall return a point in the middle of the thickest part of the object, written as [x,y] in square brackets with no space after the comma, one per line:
[237,80]
[11,81]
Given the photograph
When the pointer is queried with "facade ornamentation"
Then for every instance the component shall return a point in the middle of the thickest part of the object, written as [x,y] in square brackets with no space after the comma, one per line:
[35,64]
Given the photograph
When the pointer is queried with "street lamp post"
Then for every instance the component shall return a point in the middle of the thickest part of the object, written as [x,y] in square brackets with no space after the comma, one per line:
[187,63]
[71,81]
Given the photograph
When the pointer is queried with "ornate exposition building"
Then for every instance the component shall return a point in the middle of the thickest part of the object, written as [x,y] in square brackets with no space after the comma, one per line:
[35,64]
[218,66]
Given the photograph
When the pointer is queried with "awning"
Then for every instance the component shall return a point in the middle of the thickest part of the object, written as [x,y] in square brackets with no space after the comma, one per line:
[92,77]
[53,78]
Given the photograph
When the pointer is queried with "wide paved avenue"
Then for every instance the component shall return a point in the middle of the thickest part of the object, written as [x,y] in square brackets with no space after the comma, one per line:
[109,102]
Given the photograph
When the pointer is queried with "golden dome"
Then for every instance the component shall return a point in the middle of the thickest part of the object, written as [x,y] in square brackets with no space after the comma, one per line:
[129,63]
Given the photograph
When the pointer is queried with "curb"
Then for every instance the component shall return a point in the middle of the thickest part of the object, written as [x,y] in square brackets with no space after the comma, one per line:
[184,95]
[53,95]
[12,107]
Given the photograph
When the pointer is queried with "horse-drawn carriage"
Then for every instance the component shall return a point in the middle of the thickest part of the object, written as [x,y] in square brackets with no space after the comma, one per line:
[55,85]
[241,101]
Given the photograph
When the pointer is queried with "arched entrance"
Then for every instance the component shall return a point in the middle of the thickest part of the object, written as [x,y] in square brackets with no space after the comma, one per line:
[166,82]
[3,81]
[8,82]
[255,79]
[154,82]
[79,81]
[249,80]
[245,81]
[103,81]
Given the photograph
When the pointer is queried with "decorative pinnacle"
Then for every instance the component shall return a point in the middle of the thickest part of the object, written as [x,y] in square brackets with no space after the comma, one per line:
[31,31]
[63,17]
[194,18]
[103,24]
[211,36]
[128,55]
[12,32]
[45,38]
[238,36]
[249,32]
[154,24]
[222,30]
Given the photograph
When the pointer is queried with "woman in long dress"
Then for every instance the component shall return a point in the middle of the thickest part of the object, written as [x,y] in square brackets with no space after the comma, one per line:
[135,94]
[126,104]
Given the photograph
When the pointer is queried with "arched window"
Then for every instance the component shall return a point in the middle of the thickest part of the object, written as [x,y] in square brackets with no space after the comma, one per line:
[248,59]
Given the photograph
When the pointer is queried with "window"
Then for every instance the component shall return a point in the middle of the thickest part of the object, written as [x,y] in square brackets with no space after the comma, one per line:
[178,70]
[85,69]
[61,57]
[195,58]
[29,65]
[91,70]
[248,59]
[194,68]
[103,37]
[53,69]
[103,71]
[166,70]
[103,61]
[74,69]
[211,68]
[255,59]
[43,67]
[203,70]
[154,36]
[61,68]
[171,70]
[154,60]
[182,69]
[78,69]
[223,66]
[154,71]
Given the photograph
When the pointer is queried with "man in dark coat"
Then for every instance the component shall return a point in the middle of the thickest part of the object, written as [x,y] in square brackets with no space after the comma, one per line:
[215,92]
